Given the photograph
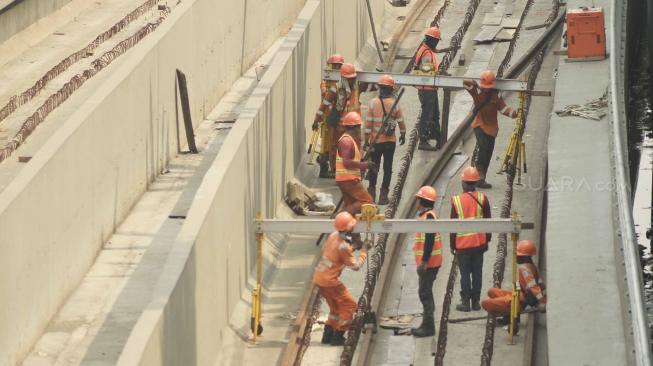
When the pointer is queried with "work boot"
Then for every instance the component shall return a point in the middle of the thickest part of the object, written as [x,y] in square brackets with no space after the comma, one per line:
[476,305]
[482,184]
[424,145]
[338,338]
[324,168]
[464,305]
[327,335]
[383,200]
[503,320]
[426,329]
[372,191]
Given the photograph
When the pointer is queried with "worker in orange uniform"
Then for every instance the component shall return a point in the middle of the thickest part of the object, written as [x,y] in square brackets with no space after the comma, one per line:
[487,104]
[381,137]
[470,247]
[427,249]
[336,255]
[349,166]
[531,287]
[330,118]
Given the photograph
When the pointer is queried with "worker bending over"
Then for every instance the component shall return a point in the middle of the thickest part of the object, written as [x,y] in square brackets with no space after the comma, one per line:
[336,255]
[329,117]
[470,247]
[427,249]
[487,104]
[349,166]
[531,287]
[381,137]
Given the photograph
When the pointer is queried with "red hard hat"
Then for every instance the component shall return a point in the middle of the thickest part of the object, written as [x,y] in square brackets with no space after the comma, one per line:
[344,221]
[348,71]
[433,32]
[352,119]
[470,174]
[427,193]
[387,80]
[488,79]
[336,59]
[526,248]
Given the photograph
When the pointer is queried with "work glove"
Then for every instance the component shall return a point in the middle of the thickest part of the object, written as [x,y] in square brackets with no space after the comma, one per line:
[367,245]
[402,138]
[421,269]
[372,167]
[514,114]
[315,125]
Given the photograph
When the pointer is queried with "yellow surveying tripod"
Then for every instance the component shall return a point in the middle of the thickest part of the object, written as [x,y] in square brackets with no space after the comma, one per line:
[515,156]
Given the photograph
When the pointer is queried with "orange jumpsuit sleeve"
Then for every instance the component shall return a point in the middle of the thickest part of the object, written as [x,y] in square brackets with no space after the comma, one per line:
[530,284]
[350,259]
[503,107]
[326,105]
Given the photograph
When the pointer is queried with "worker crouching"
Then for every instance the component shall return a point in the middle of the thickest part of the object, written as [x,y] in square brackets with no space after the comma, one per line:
[336,255]
[427,249]
[531,287]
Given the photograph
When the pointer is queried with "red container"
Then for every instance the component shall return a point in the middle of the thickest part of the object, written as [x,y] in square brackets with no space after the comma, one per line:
[586,33]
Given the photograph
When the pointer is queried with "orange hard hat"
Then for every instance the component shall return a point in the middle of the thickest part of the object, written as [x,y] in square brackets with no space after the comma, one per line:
[336,59]
[470,174]
[348,71]
[352,119]
[526,248]
[433,32]
[427,193]
[344,221]
[387,80]
[488,79]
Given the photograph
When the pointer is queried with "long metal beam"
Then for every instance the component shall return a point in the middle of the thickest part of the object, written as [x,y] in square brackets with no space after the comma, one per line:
[394,226]
[440,81]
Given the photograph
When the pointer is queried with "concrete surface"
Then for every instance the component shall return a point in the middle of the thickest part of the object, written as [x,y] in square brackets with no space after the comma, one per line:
[92,161]
[16,15]
[580,230]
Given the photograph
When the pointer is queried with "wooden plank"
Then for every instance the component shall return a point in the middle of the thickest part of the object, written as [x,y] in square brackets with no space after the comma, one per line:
[510,23]
[505,35]
[185,108]
[492,19]
[487,33]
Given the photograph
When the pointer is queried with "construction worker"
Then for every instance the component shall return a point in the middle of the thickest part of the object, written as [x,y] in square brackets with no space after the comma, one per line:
[470,247]
[349,166]
[381,137]
[330,119]
[426,63]
[487,102]
[336,255]
[531,287]
[427,249]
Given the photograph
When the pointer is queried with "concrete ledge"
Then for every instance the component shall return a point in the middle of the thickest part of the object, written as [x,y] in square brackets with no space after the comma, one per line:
[16,15]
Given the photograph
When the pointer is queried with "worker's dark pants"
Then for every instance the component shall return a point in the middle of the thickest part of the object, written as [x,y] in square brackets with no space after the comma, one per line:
[387,151]
[429,117]
[425,291]
[471,274]
[485,144]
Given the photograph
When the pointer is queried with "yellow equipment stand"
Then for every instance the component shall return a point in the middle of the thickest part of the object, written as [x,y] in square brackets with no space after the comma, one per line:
[514,304]
[256,293]
[515,156]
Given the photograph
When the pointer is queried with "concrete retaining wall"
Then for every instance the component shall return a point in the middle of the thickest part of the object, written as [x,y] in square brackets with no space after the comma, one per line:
[207,273]
[16,15]
[61,207]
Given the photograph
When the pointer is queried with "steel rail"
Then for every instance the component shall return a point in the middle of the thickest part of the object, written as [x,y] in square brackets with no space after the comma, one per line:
[622,209]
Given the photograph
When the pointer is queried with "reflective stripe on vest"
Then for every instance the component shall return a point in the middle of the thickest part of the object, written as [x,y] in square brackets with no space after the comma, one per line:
[342,173]
[469,208]
[418,247]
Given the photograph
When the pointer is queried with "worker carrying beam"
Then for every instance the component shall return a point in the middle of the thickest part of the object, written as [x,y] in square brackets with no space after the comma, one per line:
[337,254]
[329,117]
[470,247]
[381,122]
[487,104]
[532,291]
[427,249]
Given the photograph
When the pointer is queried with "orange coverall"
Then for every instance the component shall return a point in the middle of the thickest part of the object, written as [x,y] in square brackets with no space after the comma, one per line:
[336,255]
[532,292]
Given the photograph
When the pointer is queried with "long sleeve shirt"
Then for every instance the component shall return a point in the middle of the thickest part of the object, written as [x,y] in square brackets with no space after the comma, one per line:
[487,214]
[429,242]
[492,102]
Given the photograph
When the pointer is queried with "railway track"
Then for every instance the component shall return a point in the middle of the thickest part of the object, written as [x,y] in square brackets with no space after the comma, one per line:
[379,270]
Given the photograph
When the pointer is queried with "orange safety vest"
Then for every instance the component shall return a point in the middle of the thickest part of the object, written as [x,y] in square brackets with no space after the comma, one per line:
[529,281]
[435,261]
[426,68]
[342,173]
[469,206]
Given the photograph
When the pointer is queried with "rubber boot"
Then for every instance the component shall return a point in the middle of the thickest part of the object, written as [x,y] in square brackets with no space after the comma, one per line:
[338,338]
[464,305]
[327,335]
[426,329]
[372,191]
[383,200]
[476,305]
[482,184]
[424,145]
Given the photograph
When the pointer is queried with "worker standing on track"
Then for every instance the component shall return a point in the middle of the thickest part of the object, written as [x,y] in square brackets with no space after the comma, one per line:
[336,255]
[427,249]
[487,102]
[531,287]
[330,118]
[426,63]
[349,166]
[469,248]
[380,137]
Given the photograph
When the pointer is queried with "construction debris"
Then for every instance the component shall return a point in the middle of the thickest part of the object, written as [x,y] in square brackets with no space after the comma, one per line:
[304,201]
[595,109]
[397,322]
